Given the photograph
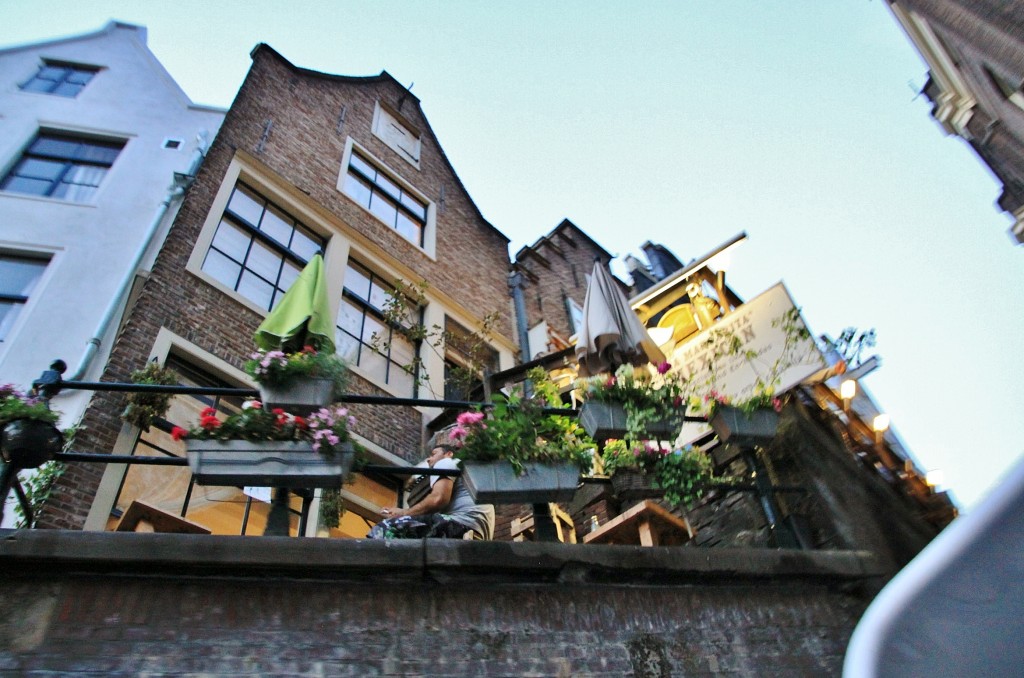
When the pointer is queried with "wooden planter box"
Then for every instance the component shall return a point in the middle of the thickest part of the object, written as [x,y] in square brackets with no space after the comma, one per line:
[629,485]
[266,464]
[602,421]
[300,397]
[29,443]
[495,482]
[735,426]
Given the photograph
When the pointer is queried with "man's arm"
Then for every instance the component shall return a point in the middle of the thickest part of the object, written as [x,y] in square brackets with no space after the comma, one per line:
[440,495]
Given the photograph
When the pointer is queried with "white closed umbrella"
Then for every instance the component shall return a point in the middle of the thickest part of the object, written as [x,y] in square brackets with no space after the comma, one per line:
[612,334]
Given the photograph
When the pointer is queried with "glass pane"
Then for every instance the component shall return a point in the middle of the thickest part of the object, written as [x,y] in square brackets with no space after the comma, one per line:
[222,269]
[54,147]
[98,153]
[8,314]
[74,192]
[358,190]
[86,175]
[378,296]
[383,208]
[350,318]
[415,206]
[347,346]
[363,166]
[409,229]
[67,89]
[40,169]
[52,73]
[264,261]
[256,290]
[305,244]
[31,186]
[18,275]
[37,85]
[375,365]
[232,241]
[80,77]
[389,187]
[400,380]
[247,205]
[357,282]
[402,350]
[277,225]
[372,327]
[288,275]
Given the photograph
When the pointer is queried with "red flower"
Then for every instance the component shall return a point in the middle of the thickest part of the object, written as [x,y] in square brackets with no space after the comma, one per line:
[209,422]
[208,412]
[300,423]
[678,401]
[308,349]
[277,410]
[178,433]
[610,382]
[664,367]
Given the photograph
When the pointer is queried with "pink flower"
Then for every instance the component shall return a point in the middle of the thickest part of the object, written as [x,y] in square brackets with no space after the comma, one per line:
[777,404]
[664,367]
[469,418]
[458,433]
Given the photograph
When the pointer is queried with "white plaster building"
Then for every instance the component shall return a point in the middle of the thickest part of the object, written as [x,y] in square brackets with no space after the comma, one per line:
[93,131]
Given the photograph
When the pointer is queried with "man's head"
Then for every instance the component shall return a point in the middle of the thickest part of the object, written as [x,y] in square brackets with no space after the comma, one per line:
[440,452]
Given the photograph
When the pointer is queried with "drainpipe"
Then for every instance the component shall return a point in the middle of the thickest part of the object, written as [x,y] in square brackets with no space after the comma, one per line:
[176,190]
[515,283]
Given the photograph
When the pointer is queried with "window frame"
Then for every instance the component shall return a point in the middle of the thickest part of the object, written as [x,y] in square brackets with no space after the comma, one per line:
[257,235]
[19,302]
[70,162]
[72,69]
[367,308]
[427,225]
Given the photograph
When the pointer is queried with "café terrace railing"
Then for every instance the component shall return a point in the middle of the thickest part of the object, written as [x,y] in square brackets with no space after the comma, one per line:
[51,383]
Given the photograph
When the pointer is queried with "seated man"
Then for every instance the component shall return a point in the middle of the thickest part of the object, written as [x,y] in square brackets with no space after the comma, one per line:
[448,511]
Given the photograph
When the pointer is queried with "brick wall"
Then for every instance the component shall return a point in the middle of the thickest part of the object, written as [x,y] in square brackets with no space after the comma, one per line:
[122,604]
[304,148]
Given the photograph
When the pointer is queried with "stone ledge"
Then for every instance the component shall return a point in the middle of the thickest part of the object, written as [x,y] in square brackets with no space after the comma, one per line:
[43,553]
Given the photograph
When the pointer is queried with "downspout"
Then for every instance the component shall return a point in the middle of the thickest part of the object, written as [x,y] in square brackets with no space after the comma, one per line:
[515,284]
[176,191]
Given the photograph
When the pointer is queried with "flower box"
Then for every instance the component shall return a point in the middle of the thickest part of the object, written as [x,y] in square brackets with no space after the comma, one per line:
[631,485]
[736,426]
[602,421]
[496,482]
[29,443]
[299,397]
[267,463]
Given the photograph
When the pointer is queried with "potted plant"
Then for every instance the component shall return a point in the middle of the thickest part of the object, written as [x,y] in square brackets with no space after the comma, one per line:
[299,382]
[633,468]
[633,402]
[270,447]
[28,436]
[144,407]
[518,453]
[747,421]
[684,475]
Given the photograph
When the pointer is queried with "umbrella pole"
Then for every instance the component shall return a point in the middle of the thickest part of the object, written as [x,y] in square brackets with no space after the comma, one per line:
[277,520]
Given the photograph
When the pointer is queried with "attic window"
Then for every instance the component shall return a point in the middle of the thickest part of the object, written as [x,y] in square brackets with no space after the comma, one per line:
[172,143]
[398,134]
[60,78]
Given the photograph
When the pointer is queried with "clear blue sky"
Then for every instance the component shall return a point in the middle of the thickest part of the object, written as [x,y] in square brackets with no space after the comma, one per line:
[686,123]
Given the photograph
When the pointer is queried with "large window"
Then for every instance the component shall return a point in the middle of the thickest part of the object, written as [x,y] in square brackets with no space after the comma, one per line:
[467,360]
[371,336]
[62,166]
[62,79]
[390,203]
[259,249]
[18,277]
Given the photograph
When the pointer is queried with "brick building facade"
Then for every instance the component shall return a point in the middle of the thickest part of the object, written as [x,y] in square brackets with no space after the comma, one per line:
[304,161]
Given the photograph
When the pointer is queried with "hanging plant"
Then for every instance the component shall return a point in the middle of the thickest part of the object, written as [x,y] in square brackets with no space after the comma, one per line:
[143,408]
[332,507]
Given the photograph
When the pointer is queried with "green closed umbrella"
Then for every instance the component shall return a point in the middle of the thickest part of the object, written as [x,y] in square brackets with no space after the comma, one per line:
[302,317]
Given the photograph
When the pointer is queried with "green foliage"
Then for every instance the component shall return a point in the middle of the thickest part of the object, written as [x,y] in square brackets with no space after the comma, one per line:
[143,408]
[332,507]
[402,314]
[37,484]
[645,397]
[684,475]
[277,368]
[17,405]
[518,431]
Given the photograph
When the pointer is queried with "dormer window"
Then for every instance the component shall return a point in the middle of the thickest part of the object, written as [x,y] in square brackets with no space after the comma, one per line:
[60,78]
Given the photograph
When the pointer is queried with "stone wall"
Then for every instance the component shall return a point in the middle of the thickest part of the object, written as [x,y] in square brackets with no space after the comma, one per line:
[132,604]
